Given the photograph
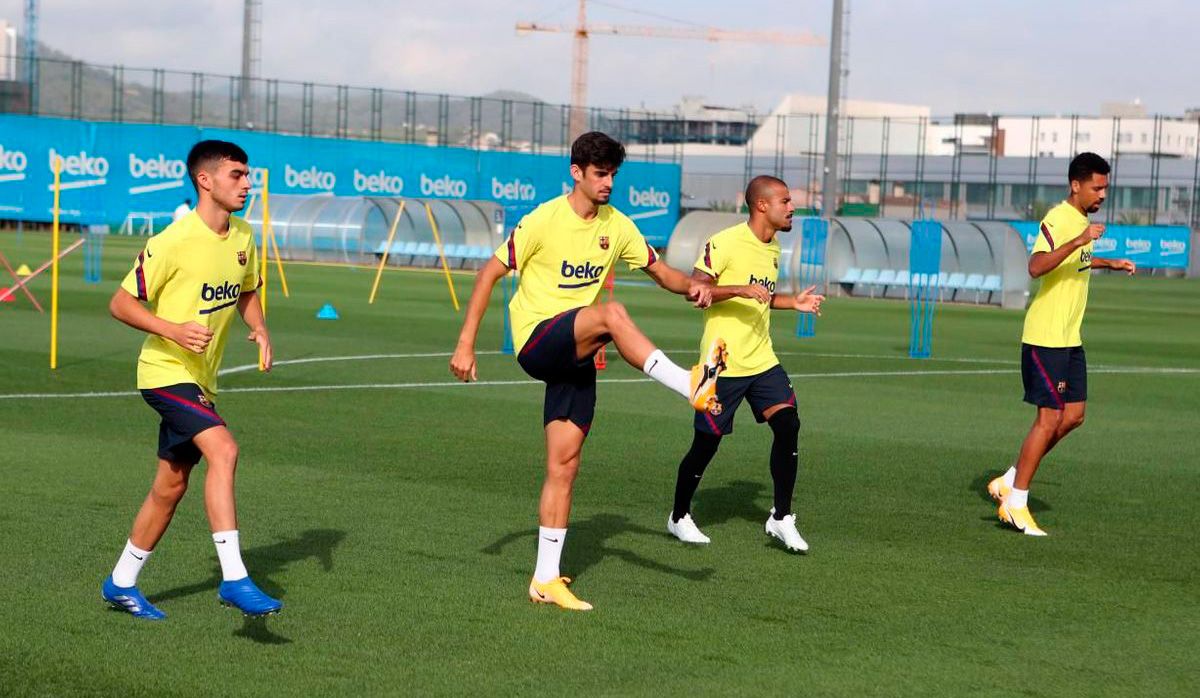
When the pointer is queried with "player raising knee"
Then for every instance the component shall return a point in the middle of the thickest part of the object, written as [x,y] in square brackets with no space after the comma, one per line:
[562,251]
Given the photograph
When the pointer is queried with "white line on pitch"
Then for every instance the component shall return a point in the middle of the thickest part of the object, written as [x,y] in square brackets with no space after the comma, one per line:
[362,357]
[454,384]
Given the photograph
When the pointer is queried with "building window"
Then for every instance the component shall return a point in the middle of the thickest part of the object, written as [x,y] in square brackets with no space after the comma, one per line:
[1083,137]
[1144,139]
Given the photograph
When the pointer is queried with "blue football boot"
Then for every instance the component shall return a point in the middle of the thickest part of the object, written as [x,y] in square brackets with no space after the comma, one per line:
[130,600]
[244,595]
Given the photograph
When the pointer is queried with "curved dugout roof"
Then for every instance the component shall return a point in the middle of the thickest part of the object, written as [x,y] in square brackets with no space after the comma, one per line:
[969,248]
[354,228]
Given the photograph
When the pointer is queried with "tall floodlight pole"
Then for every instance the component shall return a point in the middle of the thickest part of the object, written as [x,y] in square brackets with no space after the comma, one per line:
[829,189]
[251,60]
[31,53]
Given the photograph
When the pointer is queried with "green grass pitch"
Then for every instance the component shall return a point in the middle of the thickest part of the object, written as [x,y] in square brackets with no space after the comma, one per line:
[396,519]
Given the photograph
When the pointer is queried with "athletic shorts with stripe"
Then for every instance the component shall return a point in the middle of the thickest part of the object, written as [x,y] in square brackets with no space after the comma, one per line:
[549,356]
[185,412]
[763,391]
[1053,376]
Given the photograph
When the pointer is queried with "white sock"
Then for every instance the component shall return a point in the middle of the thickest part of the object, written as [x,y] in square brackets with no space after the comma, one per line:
[130,563]
[1017,499]
[1010,476]
[229,552]
[663,370]
[550,545]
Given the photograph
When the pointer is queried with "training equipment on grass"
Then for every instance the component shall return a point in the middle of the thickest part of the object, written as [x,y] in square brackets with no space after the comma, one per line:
[814,233]
[387,249]
[328,312]
[508,287]
[23,270]
[441,255]
[7,294]
[924,263]
[93,252]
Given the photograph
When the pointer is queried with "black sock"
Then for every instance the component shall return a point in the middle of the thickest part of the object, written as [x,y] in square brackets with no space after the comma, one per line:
[785,458]
[691,469]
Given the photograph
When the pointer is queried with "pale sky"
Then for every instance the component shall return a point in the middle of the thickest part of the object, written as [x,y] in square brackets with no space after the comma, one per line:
[1000,56]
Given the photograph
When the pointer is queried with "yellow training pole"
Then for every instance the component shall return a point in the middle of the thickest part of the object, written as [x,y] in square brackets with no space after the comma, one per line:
[387,248]
[445,267]
[54,268]
[270,232]
[262,273]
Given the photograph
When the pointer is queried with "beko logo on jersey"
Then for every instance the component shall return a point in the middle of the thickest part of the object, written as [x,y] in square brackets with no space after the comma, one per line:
[649,197]
[224,292]
[443,186]
[1085,257]
[765,282]
[586,273]
[156,168]
[516,190]
[312,178]
[80,164]
[381,183]
[12,160]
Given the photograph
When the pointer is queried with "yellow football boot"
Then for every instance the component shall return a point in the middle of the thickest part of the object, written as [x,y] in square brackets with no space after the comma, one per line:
[704,379]
[997,489]
[556,592]
[1021,520]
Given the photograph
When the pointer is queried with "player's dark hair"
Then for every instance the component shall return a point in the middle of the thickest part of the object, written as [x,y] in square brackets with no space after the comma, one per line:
[759,187]
[597,149]
[205,153]
[1084,165]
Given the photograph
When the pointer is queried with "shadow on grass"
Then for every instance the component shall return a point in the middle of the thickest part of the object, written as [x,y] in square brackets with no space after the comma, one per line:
[263,562]
[737,500]
[590,542]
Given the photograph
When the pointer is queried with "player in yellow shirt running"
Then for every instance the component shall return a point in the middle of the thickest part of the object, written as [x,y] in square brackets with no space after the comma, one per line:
[563,250]
[195,276]
[1053,365]
[744,263]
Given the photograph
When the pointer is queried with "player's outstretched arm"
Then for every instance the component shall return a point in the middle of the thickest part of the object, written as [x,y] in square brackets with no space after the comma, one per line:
[190,335]
[1125,265]
[755,292]
[1041,263]
[251,311]
[804,302]
[698,291]
[462,364]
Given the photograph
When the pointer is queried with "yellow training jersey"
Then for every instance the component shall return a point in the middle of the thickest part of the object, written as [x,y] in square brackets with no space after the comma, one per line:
[736,257]
[1054,316]
[563,259]
[188,272]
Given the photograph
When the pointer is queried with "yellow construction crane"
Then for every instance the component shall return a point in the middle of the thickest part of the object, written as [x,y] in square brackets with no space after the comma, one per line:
[582,30]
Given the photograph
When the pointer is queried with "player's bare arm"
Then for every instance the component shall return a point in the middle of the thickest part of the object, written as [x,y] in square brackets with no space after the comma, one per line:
[698,291]
[251,311]
[190,335]
[1125,265]
[462,364]
[1041,263]
[804,302]
[755,292]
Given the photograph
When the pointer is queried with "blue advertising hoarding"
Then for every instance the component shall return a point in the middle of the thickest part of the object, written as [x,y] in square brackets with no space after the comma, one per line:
[111,169]
[1148,246]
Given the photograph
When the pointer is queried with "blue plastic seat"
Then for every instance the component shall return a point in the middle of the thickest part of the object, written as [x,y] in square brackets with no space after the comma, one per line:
[852,276]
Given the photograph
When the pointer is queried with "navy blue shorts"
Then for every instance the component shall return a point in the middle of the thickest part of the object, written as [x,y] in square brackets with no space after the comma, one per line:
[549,356]
[185,412]
[1053,376]
[763,391]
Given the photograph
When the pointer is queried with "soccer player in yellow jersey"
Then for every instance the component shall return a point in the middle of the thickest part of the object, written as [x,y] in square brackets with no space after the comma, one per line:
[195,275]
[744,263]
[1053,366]
[562,251]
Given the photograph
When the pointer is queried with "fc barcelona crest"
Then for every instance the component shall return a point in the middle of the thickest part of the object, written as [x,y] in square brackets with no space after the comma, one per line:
[1062,387]
[203,400]
[604,242]
[242,257]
